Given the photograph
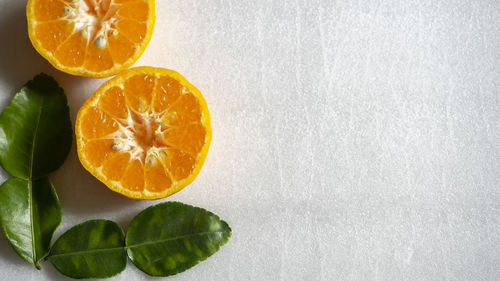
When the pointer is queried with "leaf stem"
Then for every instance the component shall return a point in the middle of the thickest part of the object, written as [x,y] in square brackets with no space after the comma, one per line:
[33,246]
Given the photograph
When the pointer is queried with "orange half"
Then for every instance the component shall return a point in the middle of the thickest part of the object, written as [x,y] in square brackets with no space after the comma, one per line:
[92,38]
[145,133]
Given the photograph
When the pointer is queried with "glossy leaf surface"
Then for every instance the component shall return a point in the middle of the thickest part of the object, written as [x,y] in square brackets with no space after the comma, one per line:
[93,249]
[171,237]
[30,212]
[35,129]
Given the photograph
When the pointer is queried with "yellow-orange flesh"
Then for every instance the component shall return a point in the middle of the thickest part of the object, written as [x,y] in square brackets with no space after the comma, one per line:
[94,38]
[144,133]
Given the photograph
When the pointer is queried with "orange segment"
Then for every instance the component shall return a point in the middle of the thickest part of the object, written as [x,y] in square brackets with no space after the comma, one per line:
[52,34]
[48,10]
[178,163]
[112,102]
[97,124]
[114,168]
[194,138]
[189,139]
[98,59]
[120,48]
[157,179]
[183,112]
[135,10]
[167,91]
[72,51]
[97,151]
[134,31]
[125,139]
[133,179]
[90,38]
[138,92]
[124,1]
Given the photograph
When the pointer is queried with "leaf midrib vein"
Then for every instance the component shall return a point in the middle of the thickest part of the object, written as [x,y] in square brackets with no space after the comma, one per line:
[133,246]
[85,252]
[30,184]
[35,133]
[174,238]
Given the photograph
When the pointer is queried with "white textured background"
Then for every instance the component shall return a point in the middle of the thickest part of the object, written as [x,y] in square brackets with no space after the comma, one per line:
[353,140]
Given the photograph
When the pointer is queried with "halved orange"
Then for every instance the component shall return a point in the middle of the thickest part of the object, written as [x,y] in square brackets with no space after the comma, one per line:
[92,38]
[145,133]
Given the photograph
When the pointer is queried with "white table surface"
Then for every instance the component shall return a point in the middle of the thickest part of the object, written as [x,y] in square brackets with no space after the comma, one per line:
[353,140]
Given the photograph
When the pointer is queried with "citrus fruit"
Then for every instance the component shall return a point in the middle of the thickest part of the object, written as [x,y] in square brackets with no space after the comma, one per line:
[145,133]
[92,38]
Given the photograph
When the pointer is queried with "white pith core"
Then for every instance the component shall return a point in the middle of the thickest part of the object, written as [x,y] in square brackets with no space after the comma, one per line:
[141,134]
[94,19]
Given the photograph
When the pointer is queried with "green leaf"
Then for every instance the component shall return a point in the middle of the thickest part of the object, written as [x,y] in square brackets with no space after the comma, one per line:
[172,237]
[93,249]
[30,212]
[35,129]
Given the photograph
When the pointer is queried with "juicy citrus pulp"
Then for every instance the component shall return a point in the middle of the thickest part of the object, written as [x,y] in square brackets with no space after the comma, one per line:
[93,38]
[145,133]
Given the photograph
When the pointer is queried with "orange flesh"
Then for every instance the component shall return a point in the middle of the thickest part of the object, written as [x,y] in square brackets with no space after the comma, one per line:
[146,133]
[93,38]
